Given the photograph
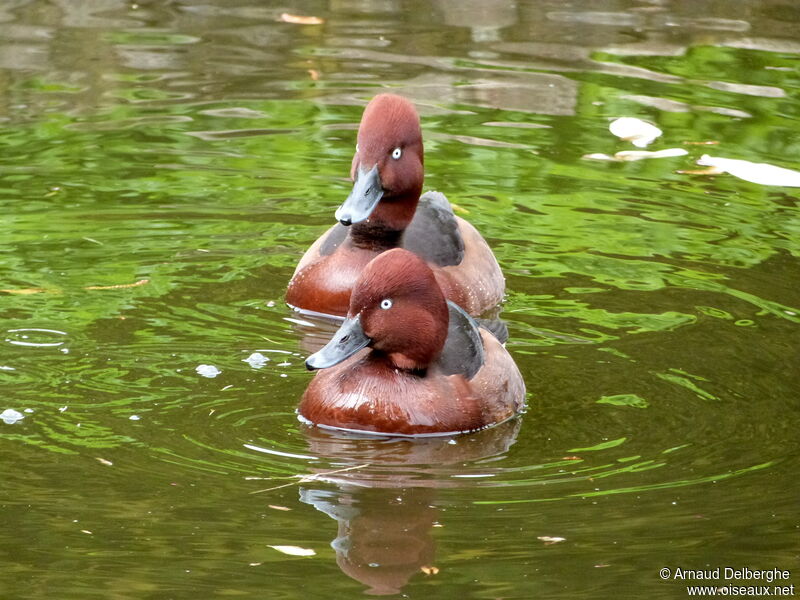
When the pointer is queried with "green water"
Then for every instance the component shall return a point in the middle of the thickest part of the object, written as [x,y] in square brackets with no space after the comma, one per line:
[197,149]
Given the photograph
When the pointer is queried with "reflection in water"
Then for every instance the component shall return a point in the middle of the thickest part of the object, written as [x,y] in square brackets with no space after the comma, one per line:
[384,536]
[385,507]
[313,331]
[484,18]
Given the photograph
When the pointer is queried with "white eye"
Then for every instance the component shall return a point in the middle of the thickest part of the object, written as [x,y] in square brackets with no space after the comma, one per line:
[397,153]
[386,303]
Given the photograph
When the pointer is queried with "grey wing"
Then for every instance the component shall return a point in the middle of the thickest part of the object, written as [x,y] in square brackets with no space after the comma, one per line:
[463,348]
[497,327]
[433,232]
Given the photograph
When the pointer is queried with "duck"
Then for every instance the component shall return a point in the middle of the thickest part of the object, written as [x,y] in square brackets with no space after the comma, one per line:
[408,362]
[385,210]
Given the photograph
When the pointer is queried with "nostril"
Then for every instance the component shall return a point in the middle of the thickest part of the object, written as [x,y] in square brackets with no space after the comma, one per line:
[344,339]
[345,221]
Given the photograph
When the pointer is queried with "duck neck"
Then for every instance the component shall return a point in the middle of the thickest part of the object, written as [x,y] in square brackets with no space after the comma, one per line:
[385,226]
[374,236]
[398,362]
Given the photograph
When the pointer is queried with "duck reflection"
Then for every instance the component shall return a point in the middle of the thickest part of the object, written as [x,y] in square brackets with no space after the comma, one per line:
[382,492]
[314,330]
[383,536]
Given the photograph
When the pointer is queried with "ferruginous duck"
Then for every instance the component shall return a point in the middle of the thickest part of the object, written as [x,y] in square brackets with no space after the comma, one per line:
[406,361]
[383,211]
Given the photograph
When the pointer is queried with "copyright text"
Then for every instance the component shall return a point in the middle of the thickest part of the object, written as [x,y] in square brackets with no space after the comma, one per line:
[726,581]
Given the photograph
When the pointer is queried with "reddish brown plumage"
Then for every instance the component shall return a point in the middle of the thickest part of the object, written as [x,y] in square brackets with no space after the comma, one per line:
[322,282]
[412,332]
[391,122]
[395,386]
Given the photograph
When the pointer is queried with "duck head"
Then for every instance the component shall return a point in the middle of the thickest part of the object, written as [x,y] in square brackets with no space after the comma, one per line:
[387,169]
[398,309]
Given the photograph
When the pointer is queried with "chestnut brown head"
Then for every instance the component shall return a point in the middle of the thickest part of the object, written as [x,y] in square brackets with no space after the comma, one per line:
[387,168]
[398,309]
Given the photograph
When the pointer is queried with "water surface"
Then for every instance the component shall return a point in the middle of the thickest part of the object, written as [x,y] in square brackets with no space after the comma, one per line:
[164,165]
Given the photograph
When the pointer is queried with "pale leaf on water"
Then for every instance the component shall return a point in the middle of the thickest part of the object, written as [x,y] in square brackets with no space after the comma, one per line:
[25,291]
[301,20]
[639,133]
[119,286]
[548,539]
[256,360]
[761,173]
[429,570]
[209,371]
[11,416]
[294,550]
[706,171]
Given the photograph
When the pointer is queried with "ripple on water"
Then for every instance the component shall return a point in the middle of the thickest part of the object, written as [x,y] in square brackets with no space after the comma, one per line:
[36,337]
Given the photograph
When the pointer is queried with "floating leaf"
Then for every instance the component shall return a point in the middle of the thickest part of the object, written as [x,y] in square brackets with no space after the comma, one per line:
[118,286]
[276,507]
[429,570]
[633,155]
[256,360]
[294,550]
[25,291]
[706,171]
[11,416]
[761,173]
[639,133]
[209,371]
[103,461]
[301,20]
[548,539]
